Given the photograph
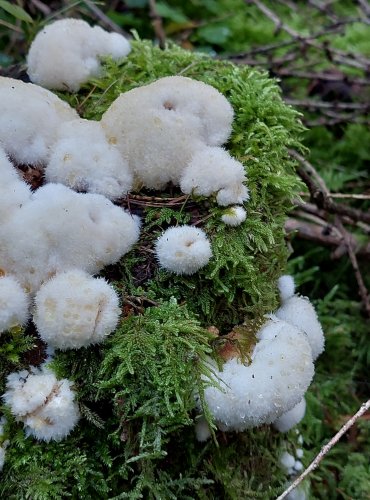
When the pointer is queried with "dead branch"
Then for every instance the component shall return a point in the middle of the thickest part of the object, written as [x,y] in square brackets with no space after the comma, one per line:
[320,194]
[157,23]
[364,294]
[325,449]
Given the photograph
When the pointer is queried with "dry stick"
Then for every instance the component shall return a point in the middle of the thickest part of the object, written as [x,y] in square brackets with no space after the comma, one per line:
[312,104]
[325,449]
[361,285]
[105,20]
[157,23]
[334,55]
[320,194]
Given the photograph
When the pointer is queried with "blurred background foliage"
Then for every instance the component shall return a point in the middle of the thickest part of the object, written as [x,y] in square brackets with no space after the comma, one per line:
[319,50]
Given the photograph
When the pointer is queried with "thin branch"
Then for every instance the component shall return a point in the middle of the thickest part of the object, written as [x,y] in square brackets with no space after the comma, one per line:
[325,449]
[104,19]
[320,194]
[312,104]
[364,294]
[157,23]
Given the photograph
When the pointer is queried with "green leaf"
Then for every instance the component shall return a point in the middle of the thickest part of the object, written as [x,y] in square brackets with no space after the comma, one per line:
[175,15]
[16,11]
[214,34]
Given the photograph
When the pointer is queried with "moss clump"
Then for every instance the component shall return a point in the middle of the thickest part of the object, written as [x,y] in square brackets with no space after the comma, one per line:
[136,392]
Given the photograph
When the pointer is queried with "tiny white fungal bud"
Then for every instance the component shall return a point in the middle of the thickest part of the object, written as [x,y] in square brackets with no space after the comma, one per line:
[287,460]
[286,287]
[234,216]
[202,430]
[183,249]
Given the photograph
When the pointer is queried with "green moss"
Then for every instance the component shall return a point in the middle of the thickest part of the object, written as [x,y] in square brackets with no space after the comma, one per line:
[136,392]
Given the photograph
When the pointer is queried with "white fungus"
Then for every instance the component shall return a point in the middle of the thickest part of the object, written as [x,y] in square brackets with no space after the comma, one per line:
[45,405]
[286,287]
[183,249]
[234,216]
[291,418]
[275,381]
[74,310]
[83,159]
[13,191]
[299,452]
[299,311]
[213,170]
[287,460]
[14,303]
[59,229]
[173,124]
[299,493]
[29,119]
[67,52]
[202,430]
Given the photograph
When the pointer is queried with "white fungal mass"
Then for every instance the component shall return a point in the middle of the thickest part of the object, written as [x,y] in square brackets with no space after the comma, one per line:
[66,53]
[75,310]
[45,405]
[183,250]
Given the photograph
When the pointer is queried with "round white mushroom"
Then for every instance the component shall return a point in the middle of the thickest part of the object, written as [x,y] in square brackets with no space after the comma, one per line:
[29,119]
[183,249]
[45,405]
[275,381]
[59,230]
[67,52]
[74,310]
[234,216]
[173,125]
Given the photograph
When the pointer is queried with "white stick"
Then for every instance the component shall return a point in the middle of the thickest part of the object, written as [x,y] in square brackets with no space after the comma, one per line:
[324,450]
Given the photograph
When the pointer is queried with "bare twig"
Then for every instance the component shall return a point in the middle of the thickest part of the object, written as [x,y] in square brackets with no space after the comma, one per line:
[157,23]
[325,449]
[312,104]
[320,194]
[104,20]
[334,55]
[352,256]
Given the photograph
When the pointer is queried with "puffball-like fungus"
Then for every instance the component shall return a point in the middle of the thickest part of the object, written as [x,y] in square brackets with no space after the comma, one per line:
[14,303]
[172,125]
[84,160]
[59,229]
[13,191]
[213,170]
[29,119]
[276,380]
[66,53]
[74,310]
[299,311]
[45,405]
[183,249]
[234,216]
[291,418]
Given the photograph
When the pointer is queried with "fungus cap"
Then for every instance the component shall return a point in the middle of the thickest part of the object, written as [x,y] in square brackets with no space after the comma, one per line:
[44,404]
[275,381]
[29,119]
[77,48]
[74,310]
[183,249]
